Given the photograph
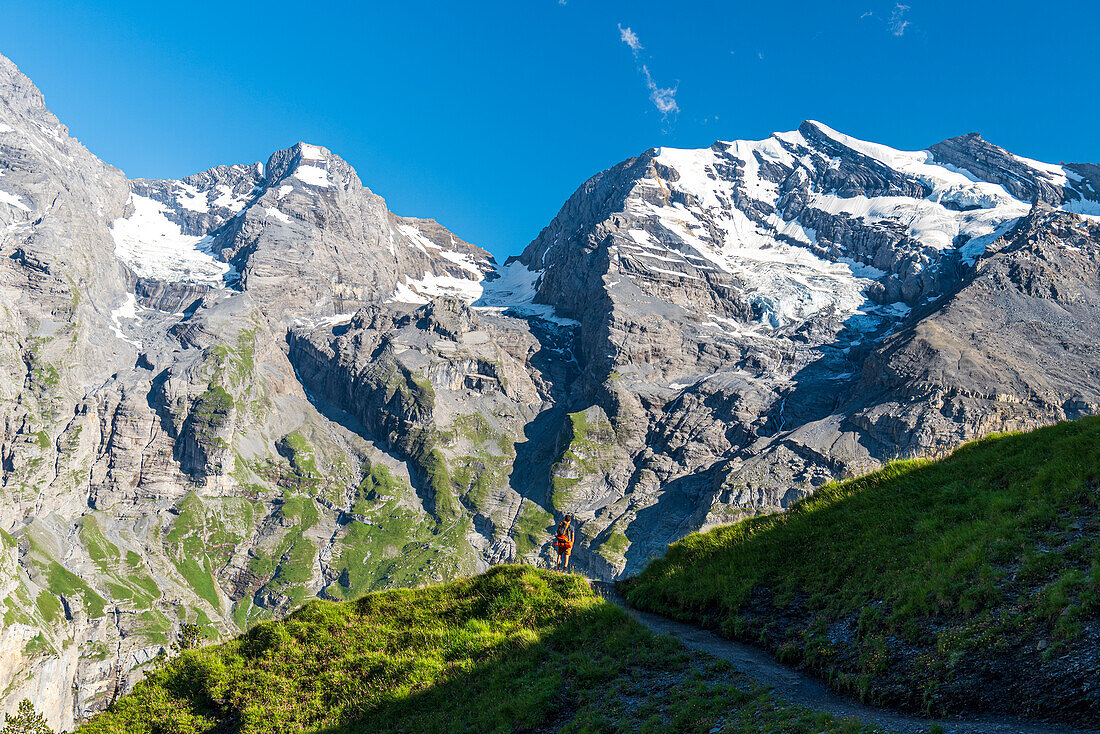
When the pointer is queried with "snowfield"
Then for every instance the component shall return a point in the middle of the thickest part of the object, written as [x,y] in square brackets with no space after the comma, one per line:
[155,247]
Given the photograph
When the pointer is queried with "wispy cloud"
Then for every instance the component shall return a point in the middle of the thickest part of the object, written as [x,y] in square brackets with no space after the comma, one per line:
[630,38]
[866,13]
[663,98]
[897,22]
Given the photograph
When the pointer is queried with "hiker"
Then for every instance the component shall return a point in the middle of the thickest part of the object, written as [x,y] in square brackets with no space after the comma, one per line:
[563,542]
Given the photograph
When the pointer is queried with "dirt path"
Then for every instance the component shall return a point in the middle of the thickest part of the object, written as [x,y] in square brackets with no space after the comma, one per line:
[805,690]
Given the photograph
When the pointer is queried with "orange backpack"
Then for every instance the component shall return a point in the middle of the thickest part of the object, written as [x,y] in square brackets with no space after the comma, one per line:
[563,542]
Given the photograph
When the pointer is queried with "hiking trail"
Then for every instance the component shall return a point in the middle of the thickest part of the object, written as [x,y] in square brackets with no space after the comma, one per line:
[803,689]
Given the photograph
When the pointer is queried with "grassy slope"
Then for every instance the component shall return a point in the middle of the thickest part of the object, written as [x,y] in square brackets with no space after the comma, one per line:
[967,582]
[515,649]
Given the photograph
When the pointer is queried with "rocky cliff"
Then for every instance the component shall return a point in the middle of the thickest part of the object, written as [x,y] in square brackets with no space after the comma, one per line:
[223,395]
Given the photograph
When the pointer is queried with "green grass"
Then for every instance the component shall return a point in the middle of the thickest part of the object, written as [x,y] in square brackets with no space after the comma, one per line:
[397,548]
[533,528]
[213,405]
[63,582]
[485,463]
[515,649]
[203,537]
[128,583]
[377,482]
[302,459]
[958,561]
[49,607]
[103,552]
[615,546]
[239,356]
[43,440]
[289,567]
[589,441]
[197,573]
[210,412]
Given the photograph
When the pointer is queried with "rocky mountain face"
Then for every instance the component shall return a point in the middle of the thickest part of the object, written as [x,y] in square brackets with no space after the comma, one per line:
[224,395]
[760,317]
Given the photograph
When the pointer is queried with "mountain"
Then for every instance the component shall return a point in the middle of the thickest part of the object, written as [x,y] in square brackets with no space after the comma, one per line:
[760,317]
[228,394]
[159,458]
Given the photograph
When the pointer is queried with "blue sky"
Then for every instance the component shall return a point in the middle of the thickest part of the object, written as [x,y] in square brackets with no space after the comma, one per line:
[487,115]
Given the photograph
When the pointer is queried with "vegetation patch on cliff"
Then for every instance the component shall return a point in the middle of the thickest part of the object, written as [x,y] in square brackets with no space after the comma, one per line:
[587,441]
[203,537]
[302,460]
[484,461]
[289,566]
[126,580]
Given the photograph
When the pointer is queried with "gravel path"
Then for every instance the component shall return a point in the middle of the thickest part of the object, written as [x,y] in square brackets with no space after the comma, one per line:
[805,690]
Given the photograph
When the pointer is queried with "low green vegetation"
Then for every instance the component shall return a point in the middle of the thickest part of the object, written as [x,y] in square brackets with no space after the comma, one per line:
[289,567]
[533,528]
[25,720]
[614,545]
[588,440]
[127,582]
[303,463]
[49,607]
[440,483]
[515,649]
[202,538]
[153,625]
[377,485]
[43,440]
[212,406]
[397,547]
[484,461]
[238,357]
[911,583]
[63,582]
[103,552]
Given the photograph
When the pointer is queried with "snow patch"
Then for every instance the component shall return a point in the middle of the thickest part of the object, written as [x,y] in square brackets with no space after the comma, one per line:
[422,243]
[404,294]
[312,152]
[155,247]
[276,214]
[127,310]
[462,260]
[862,270]
[514,290]
[13,200]
[228,200]
[339,318]
[313,176]
[432,286]
[1053,173]
[192,199]
[1084,207]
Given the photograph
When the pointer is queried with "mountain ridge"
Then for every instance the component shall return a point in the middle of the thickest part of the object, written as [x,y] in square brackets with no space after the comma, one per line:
[227,394]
